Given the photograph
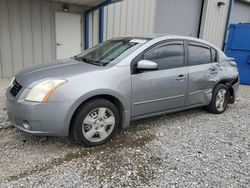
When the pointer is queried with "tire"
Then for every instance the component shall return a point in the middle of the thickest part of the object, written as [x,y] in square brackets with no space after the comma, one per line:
[95,122]
[219,101]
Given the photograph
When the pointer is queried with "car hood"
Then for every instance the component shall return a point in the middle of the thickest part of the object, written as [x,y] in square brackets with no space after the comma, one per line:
[61,69]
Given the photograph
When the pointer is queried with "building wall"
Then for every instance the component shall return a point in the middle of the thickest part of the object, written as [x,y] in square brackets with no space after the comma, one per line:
[179,17]
[129,17]
[94,28]
[27,28]
[240,12]
[27,33]
[214,21]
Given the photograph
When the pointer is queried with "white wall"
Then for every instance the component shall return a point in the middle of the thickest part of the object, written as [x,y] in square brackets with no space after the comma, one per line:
[129,17]
[132,17]
[93,28]
[214,19]
[126,18]
[178,17]
[27,33]
[240,12]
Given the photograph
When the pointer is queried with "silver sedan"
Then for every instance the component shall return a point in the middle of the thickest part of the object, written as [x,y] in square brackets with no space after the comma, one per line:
[106,87]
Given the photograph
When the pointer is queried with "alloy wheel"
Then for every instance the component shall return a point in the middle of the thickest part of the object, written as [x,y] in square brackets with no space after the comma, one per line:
[98,124]
[220,99]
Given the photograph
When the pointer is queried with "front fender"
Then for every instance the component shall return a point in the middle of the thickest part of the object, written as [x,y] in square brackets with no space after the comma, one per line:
[124,101]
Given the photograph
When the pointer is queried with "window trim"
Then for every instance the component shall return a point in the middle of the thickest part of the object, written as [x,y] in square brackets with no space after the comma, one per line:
[199,44]
[158,44]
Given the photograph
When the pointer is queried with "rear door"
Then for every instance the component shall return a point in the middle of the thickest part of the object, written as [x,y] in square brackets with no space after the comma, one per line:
[203,71]
[163,89]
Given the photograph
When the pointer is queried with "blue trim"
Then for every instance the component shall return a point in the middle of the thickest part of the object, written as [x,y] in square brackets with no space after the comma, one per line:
[228,22]
[101,5]
[86,30]
[86,22]
[101,24]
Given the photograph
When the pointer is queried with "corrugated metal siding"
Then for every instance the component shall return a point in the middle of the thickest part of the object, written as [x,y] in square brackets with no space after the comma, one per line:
[214,20]
[129,17]
[5,38]
[178,17]
[240,12]
[27,33]
[93,28]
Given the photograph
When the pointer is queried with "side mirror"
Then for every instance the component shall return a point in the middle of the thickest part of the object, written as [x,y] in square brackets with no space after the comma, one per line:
[147,65]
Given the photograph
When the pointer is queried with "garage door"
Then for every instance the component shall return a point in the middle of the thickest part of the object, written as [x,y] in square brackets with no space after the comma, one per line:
[179,17]
[240,13]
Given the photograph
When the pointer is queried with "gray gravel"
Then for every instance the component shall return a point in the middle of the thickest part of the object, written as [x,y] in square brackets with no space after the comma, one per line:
[186,149]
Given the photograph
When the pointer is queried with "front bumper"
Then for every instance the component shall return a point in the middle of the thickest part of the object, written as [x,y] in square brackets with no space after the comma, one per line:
[47,119]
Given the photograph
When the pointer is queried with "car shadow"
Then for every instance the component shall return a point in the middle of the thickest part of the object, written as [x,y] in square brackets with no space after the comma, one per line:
[122,136]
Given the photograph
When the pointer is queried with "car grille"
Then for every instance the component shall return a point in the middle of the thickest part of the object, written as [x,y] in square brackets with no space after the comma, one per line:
[15,88]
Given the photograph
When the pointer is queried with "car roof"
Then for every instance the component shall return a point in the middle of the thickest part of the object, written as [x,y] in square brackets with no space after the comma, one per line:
[161,37]
[155,38]
[166,37]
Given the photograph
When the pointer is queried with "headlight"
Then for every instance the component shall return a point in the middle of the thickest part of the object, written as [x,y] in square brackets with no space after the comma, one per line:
[12,81]
[42,91]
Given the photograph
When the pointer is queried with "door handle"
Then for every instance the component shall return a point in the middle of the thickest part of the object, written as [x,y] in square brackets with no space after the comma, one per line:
[59,44]
[181,77]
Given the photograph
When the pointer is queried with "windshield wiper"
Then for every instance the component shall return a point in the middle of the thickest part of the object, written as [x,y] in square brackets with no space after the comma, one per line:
[94,63]
[83,59]
[76,58]
[89,61]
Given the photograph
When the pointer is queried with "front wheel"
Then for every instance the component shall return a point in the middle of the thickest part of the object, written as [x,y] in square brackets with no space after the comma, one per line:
[95,122]
[219,101]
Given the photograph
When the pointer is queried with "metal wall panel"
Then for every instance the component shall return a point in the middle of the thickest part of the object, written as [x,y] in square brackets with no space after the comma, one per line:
[37,36]
[16,35]
[240,12]
[1,73]
[117,18]
[91,30]
[95,27]
[214,19]
[5,45]
[109,10]
[27,33]
[26,27]
[179,17]
[46,30]
[129,17]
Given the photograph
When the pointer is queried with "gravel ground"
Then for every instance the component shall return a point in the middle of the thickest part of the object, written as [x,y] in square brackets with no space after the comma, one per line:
[186,149]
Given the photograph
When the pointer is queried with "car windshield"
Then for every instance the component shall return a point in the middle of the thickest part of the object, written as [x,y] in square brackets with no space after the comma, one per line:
[108,51]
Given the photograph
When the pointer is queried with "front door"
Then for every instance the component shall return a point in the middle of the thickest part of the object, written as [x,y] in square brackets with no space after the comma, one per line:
[163,89]
[68,34]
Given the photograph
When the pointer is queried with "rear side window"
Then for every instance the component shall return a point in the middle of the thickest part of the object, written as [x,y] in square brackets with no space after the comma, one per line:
[170,55]
[199,54]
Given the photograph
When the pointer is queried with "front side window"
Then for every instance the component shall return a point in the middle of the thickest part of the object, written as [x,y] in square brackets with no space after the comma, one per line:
[167,56]
[199,55]
[109,51]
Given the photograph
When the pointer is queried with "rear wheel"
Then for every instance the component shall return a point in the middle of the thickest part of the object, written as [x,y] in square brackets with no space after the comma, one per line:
[95,122]
[219,100]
